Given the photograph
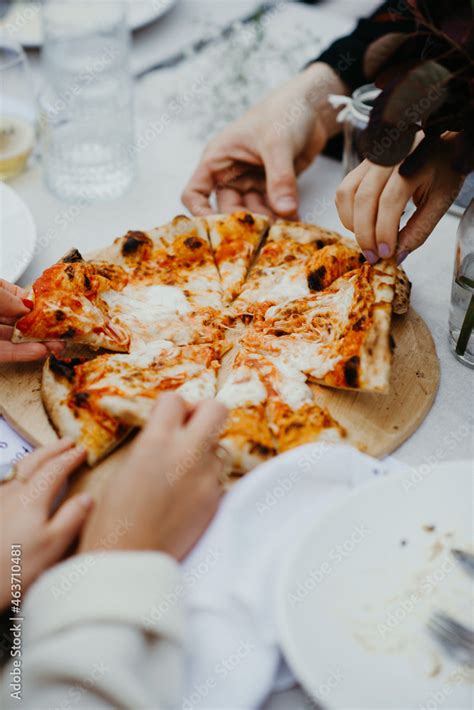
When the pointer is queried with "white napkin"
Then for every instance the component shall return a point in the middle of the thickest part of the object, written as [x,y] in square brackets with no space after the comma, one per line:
[230,577]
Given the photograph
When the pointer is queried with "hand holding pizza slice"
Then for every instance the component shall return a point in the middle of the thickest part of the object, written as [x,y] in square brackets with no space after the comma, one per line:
[13,305]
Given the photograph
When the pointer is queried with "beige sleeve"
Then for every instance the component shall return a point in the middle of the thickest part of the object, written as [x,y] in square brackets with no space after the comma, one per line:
[103,631]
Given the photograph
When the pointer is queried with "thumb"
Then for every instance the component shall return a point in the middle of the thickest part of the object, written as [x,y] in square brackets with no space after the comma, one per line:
[421,224]
[282,188]
[66,524]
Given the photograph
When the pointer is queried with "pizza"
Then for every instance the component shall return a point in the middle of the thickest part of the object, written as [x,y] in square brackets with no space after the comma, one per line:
[235,240]
[69,304]
[339,336]
[272,409]
[98,400]
[224,306]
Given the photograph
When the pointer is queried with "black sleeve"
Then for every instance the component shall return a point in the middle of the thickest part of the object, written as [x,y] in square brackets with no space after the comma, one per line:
[346,55]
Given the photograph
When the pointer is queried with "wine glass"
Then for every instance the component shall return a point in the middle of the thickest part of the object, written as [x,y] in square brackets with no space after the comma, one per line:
[17,110]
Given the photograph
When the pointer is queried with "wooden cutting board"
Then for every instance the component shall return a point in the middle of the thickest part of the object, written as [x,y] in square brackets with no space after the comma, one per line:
[376,424]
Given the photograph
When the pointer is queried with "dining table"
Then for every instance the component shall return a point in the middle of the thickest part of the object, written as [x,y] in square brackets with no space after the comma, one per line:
[178,109]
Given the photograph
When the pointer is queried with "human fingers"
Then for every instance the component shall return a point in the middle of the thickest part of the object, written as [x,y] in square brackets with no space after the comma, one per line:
[392,203]
[205,425]
[11,304]
[229,200]
[282,188]
[27,467]
[169,412]
[366,207]
[255,202]
[50,477]
[421,223]
[345,194]
[196,194]
[66,524]
[22,352]
[13,288]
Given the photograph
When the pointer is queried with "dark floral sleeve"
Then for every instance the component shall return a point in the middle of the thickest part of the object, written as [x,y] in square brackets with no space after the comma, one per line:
[346,55]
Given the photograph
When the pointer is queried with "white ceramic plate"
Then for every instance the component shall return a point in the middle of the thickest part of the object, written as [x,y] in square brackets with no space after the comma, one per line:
[17,234]
[356,593]
[23,22]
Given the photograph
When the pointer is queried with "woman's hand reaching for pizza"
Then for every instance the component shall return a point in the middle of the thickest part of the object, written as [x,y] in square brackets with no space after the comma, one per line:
[29,534]
[371,200]
[168,490]
[14,304]
[253,163]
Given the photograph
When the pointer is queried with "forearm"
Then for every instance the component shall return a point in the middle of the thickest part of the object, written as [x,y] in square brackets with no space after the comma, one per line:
[103,631]
[320,80]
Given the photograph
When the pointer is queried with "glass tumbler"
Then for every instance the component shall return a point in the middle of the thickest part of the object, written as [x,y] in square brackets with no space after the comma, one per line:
[86,109]
[461,315]
[17,110]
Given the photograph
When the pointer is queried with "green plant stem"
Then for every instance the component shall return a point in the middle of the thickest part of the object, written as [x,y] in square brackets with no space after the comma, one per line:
[466,329]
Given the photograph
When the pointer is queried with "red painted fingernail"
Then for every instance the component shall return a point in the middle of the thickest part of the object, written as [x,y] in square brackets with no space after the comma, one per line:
[29,304]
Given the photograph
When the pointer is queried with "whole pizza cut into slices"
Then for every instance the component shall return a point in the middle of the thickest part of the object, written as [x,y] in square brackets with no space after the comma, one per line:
[338,337]
[97,400]
[235,239]
[68,304]
[215,307]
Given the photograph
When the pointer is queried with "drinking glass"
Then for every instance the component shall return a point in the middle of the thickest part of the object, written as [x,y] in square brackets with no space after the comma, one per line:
[86,109]
[356,117]
[17,110]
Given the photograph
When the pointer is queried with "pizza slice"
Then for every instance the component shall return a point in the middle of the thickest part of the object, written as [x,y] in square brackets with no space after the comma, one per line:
[338,337]
[272,410]
[246,437]
[73,412]
[97,401]
[190,371]
[177,257]
[69,304]
[289,266]
[235,239]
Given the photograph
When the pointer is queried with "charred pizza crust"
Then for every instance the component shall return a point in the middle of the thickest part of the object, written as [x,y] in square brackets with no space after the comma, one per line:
[70,416]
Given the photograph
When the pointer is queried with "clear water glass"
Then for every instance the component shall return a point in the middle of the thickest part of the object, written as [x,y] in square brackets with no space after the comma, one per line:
[17,110]
[86,110]
[461,315]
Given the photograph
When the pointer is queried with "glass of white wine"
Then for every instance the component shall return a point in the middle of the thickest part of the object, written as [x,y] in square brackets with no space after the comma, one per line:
[17,110]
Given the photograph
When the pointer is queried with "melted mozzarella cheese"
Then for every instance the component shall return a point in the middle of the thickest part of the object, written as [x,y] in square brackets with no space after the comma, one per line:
[291,384]
[146,304]
[243,387]
[198,388]
[278,284]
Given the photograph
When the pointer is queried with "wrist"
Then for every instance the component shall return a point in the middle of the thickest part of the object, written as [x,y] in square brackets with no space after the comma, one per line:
[319,81]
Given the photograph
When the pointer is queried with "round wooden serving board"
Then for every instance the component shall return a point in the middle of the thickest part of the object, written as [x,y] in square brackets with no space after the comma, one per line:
[375,423]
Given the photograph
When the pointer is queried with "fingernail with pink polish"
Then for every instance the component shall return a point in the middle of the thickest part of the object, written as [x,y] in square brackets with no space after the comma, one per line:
[384,250]
[371,256]
[402,256]
[27,302]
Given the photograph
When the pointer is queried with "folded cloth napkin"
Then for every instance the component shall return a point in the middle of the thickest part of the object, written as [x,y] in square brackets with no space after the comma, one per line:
[230,578]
